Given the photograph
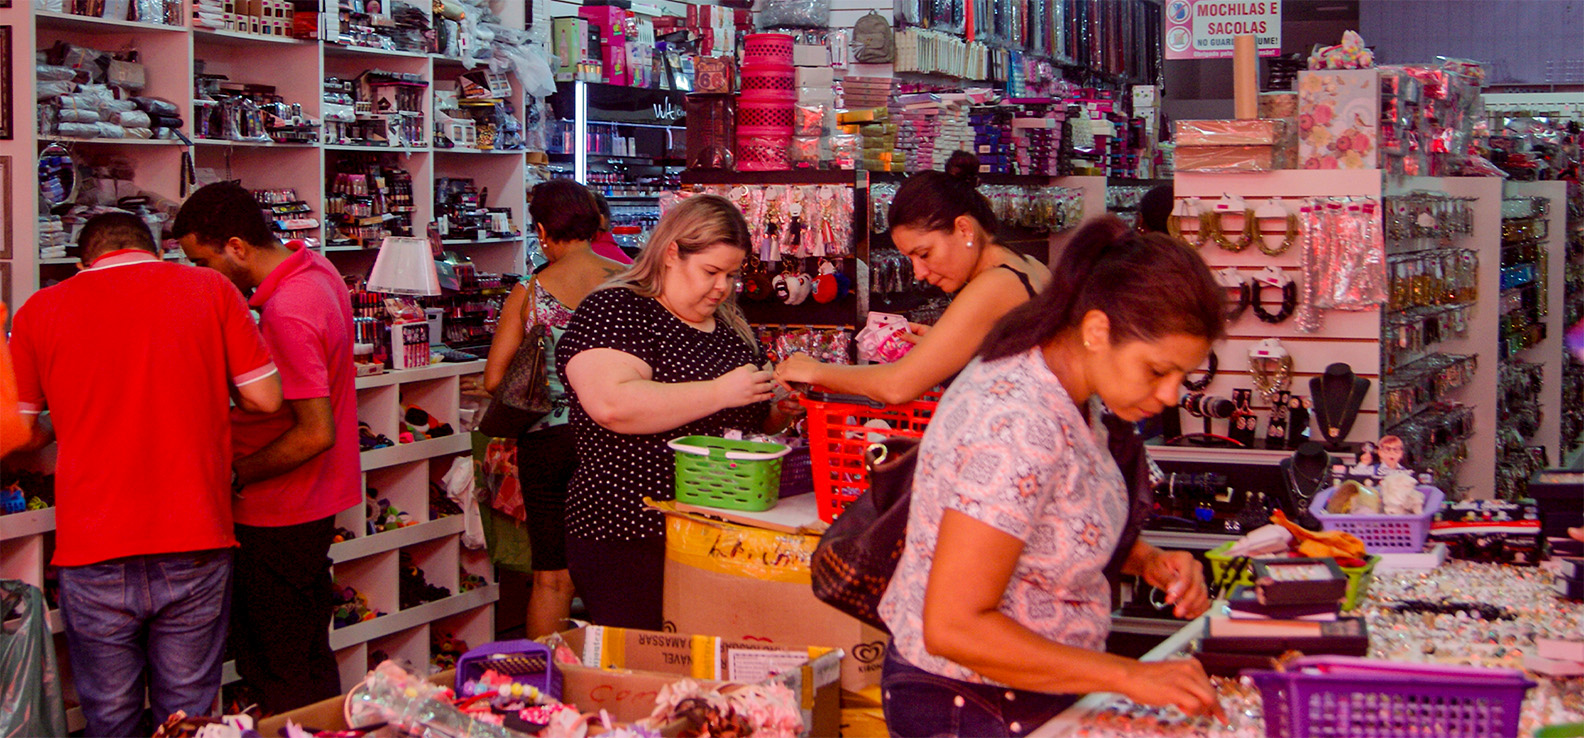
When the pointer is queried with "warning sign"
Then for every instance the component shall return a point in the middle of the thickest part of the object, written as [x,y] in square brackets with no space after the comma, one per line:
[1203,29]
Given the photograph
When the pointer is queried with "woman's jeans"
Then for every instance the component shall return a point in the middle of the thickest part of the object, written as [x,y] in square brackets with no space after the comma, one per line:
[920,704]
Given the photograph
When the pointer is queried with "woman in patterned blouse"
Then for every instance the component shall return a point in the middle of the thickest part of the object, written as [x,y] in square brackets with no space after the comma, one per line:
[999,608]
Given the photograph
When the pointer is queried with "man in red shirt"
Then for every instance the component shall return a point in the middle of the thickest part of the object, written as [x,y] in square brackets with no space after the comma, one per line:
[297,468]
[136,360]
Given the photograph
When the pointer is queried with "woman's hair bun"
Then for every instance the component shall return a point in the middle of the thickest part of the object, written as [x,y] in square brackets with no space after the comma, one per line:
[963,166]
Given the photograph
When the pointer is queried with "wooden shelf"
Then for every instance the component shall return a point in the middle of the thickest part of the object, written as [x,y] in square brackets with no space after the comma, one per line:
[391,540]
[30,523]
[232,38]
[333,49]
[113,141]
[409,452]
[481,152]
[73,22]
[433,371]
[401,620]
[376,149]
[254,144]
[483,242]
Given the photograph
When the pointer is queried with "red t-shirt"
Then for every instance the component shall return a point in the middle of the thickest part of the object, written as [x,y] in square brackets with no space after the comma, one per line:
[605,245]
[305,313]
[134,358]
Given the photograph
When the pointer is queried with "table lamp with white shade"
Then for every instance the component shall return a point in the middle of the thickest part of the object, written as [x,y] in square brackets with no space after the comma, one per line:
[405,266]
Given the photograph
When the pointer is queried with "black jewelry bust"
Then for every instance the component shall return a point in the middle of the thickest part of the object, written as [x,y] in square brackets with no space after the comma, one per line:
[1337,396]
[1304,474]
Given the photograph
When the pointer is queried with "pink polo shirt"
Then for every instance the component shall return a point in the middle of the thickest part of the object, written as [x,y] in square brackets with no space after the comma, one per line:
[306,318]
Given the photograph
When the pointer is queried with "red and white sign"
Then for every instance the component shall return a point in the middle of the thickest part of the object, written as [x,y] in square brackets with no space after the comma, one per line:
[1204,29]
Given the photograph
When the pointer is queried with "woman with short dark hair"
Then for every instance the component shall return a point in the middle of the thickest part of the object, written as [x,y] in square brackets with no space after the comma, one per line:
[565,218]
[1000,608]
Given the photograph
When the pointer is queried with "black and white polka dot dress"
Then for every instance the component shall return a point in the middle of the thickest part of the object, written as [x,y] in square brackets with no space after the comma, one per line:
[616,471]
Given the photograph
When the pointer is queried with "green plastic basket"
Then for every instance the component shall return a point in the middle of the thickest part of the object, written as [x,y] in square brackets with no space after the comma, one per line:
[1359,577]
[732,475]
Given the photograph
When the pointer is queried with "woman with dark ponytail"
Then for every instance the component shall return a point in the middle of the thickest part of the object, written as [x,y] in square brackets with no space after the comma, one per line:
[1000,607]
[943,224]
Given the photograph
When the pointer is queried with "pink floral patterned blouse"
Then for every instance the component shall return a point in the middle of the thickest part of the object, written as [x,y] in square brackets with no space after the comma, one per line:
[1008,447]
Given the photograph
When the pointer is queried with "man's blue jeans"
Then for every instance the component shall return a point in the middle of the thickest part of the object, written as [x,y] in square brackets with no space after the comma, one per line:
[146,622]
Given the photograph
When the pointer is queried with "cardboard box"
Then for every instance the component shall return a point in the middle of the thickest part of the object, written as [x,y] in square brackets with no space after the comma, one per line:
[609,20]
[1226,159]
[615,68]
[623,670]
[569,37]
[329,714]
[1263,132]
[1339,119]
[752,584]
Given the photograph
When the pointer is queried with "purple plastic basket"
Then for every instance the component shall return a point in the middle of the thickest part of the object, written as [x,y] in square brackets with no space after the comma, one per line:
[1382,533]
[1351,697]
[797,473]
[524,661]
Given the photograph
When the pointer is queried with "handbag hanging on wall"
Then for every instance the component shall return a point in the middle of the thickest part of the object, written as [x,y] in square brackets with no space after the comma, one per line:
[858,553]
[523,396]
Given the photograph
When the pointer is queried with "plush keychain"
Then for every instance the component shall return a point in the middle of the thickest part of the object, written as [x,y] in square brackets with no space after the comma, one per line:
[826,288]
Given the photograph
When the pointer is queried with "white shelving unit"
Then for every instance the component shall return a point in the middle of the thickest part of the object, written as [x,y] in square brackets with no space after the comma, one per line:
[368,563]
[297,69]
[1353,337]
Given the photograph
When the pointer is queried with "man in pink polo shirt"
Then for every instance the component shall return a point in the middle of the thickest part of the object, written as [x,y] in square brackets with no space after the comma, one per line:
[137,360]
[295,469]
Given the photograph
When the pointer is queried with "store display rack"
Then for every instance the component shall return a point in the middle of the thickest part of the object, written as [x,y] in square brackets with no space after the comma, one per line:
[403,475]
[1351,337]
[296,68]
[1534,249]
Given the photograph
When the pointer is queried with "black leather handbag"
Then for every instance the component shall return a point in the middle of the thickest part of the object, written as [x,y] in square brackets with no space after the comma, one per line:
[856,556]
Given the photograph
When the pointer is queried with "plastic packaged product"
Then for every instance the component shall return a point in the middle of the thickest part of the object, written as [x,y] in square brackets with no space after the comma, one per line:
[1228,132]
[882,338]
[808,120]
[804,151]
[79,115]
[49,73]
[134,119]
[78,130]
[156,106]
[1225,158]
[53,89]
[795,14]
[109,130]
[846,151]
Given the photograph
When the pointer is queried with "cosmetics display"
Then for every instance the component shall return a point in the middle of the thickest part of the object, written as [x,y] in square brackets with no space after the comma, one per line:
[370,197]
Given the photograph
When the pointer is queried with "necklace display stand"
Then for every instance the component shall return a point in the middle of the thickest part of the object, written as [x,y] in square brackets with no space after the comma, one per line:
[1337,395]
[1305,473]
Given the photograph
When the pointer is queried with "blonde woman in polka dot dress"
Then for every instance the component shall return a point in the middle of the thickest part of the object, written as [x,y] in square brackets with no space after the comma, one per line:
[662,351]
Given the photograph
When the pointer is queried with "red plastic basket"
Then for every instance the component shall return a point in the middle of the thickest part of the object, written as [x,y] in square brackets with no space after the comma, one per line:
[767,48]
[765,82]
[763,154]
[841,428]
[755,112]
